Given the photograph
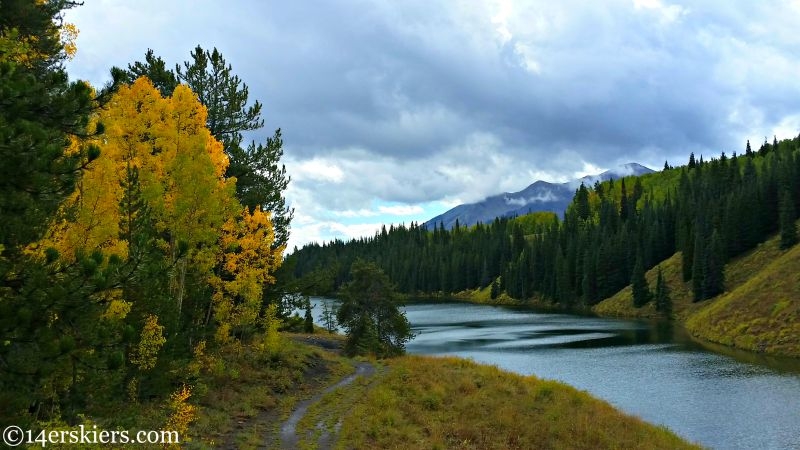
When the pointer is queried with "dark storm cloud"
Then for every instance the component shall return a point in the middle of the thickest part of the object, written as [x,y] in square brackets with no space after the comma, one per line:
[409,79]
[418,101]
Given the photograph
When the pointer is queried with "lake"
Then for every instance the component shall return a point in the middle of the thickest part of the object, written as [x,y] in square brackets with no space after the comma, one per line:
[650,369]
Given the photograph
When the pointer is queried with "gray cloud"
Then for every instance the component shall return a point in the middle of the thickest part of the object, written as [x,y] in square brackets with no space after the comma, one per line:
[417,101]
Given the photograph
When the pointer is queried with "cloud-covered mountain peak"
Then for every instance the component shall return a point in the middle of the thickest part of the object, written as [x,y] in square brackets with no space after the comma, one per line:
[539,196]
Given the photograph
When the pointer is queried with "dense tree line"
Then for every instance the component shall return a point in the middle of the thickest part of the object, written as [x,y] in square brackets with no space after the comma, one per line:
[611,234]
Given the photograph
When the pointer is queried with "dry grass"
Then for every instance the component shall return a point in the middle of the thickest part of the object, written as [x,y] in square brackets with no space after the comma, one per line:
[243,403]
[759,311]
[761,314]
[453,403]
[621,303]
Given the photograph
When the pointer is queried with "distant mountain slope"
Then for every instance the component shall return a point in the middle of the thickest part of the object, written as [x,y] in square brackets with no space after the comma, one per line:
[539,196]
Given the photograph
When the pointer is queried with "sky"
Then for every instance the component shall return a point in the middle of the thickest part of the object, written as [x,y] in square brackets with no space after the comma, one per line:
[396,111]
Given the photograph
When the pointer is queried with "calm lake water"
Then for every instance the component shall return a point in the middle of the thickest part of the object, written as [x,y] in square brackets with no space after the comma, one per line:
[722,401]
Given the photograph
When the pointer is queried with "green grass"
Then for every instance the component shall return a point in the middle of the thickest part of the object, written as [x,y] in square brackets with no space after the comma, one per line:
[422,402]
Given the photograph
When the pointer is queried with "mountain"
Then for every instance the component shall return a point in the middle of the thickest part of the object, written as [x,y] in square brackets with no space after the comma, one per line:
[539,196]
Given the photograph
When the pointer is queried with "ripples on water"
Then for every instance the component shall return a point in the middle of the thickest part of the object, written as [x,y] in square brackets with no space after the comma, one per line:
[646,369]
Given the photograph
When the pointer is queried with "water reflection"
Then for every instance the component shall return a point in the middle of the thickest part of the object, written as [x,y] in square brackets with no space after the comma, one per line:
[734,400]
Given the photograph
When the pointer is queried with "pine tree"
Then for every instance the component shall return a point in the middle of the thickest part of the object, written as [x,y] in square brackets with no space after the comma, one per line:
[787,219]
[308,320]
[641,291]
[328,317]
[698,264]
[495,290]
[54,343]
[748,151]
[156,70]
[370,314]
[261,179]
[663,300]
[714,277]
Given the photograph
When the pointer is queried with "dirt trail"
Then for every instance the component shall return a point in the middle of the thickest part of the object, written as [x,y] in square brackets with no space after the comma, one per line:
[289,437]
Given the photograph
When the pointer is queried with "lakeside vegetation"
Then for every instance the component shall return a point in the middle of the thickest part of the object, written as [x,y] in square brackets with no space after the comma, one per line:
[421,402]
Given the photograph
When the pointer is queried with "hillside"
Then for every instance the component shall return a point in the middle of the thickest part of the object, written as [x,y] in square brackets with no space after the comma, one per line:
[762,314]
[758,310]
[539,196]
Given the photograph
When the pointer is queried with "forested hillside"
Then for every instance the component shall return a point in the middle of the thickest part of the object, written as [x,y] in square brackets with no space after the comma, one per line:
[708,210]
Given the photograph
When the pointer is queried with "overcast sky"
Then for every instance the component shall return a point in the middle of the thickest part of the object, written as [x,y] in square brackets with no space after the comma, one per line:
[396,111]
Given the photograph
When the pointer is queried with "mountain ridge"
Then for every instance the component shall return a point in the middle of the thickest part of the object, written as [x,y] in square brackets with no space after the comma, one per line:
[538,196]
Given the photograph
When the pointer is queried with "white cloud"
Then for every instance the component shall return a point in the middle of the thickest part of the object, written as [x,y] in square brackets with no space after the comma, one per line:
[318,169]
[667,13]
[401,210]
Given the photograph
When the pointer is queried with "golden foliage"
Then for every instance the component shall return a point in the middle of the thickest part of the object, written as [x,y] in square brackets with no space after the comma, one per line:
[248,262]
[69,34]
[181,412]
[145,354]
[117,308]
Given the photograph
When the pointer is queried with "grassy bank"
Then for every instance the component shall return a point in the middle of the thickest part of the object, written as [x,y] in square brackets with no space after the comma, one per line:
[759,310]
[762,314]
[420,402]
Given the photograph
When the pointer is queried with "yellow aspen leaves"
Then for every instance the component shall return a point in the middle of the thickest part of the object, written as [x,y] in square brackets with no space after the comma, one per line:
[181,412]
[145,354]
[202,228]
[69,34]
[248,262]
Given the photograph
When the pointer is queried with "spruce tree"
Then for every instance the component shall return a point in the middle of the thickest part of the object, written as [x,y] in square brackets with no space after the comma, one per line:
[663,300]
[641,291]
[308,320]
[787,219]
[698,265]
[714,277]
[495,290]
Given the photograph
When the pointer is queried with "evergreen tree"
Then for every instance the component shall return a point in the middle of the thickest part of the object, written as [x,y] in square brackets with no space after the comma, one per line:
[698,265]
[55,345]
[328,317]
[663,300]
[260,178]
[641,291]
[787,218]
[156,70]
[370,313]
[495,290]
[308,320]
[748,151]
[714,279]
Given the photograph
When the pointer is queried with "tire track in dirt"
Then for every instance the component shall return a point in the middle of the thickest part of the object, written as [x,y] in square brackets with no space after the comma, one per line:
[288,432]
